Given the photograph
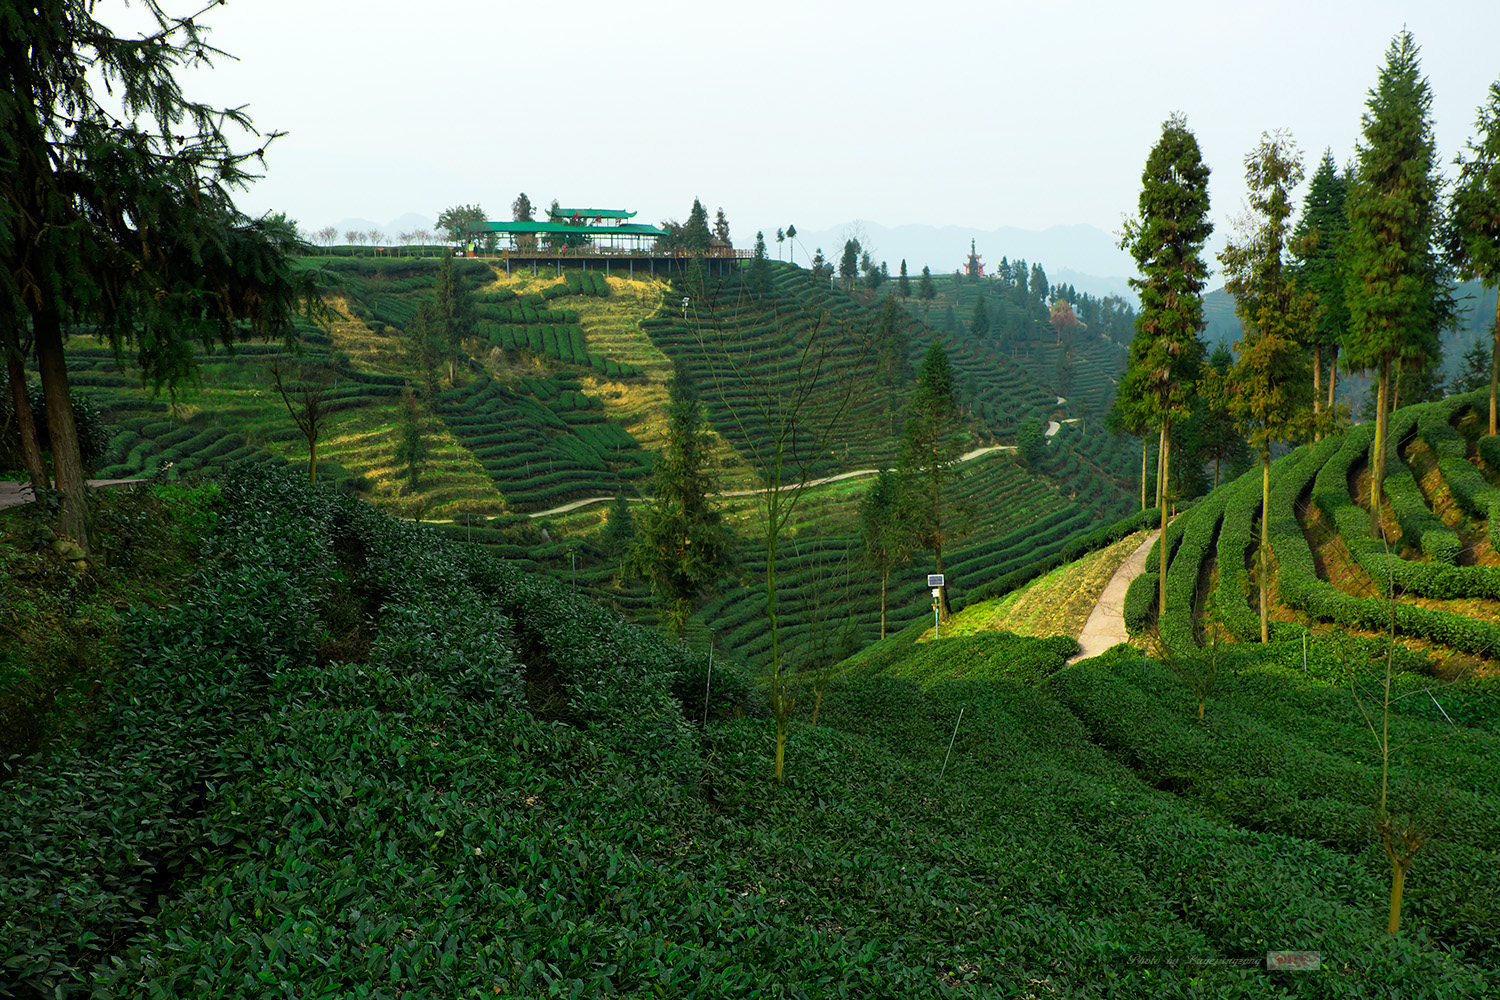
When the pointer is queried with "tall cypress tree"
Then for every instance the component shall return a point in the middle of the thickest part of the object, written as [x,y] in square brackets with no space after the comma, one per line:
[681,541]
[931,448]
[903,283]
[1267,388]
[1394,280]
[1318,246]
[1166,239]
[979,322]
[695,233]
[1473,232]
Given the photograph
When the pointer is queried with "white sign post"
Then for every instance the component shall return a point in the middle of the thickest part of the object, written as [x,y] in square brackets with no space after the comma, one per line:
[935,581]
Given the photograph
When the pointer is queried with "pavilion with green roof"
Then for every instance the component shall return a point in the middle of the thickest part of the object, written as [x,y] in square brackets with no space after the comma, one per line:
[584,235]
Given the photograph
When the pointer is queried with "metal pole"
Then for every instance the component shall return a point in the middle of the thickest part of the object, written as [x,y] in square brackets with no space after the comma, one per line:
[950,743]
[709,680]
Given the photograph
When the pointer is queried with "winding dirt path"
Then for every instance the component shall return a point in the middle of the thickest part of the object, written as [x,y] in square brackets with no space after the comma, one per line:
[1106,625]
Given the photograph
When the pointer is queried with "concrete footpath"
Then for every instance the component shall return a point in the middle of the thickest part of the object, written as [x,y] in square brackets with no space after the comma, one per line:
[13,494]
[1106,624]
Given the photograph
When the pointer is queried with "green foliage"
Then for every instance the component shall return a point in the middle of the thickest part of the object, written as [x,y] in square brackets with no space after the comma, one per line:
[681,540]
[1031,441]
[356,757]
[1166,239]
[93,433]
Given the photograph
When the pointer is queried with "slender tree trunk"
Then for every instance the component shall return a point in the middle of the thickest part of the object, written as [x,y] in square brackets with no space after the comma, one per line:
[943,590]
[1377,451]
[885,576]
[1161,469]
[31,449]
[1494,362]
[1265,547]
[1145,468]
[1317,390]
[1161,596]
[62,431]
[1333,371]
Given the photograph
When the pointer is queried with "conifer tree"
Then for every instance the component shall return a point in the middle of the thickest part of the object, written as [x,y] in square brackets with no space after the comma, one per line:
[1395,292]
[849,264]
[681,541]
[1267,388]
[926,291]
[760,272]
[452,315]
[979,322]
[695,233]
[1472,235]
[931,448]
[1318,246]
[881,532]
[721,227]
[118,216]
[1166,239]
[903,283]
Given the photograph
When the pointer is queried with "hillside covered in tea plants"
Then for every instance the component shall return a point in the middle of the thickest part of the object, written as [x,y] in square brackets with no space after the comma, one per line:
[334,754]
[559,399]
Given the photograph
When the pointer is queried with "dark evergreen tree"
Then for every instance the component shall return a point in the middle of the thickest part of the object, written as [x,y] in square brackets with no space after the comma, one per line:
[681,542]
[125,227]
[619,527]
[760,267]
[1395,288]
[1474,372]
[849,264]
[979,321]
[696,236]
[1472,234]
[881,532]
[411,449]
[453,316]
[1318,246]
[903,283]
[1166,239]
[1039,286]
[721,228]
[1031,442]
[926,291]
[931,448]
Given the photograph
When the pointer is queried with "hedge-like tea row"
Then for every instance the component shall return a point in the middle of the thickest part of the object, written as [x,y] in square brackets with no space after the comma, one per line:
[1301,588]
[1238,539]
[1198,533]
[1420,527]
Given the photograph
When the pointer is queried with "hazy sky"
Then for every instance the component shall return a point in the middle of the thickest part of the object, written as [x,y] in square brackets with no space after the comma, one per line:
[978,114]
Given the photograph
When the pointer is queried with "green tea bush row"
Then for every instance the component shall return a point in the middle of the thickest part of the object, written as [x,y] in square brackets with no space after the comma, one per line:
[1301,588]
[1435,426]
[1200,531]
[1428,579]
[1405,497]
[1238,538]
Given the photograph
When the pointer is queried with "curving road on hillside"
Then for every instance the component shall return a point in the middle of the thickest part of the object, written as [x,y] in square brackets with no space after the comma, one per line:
[966,457]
